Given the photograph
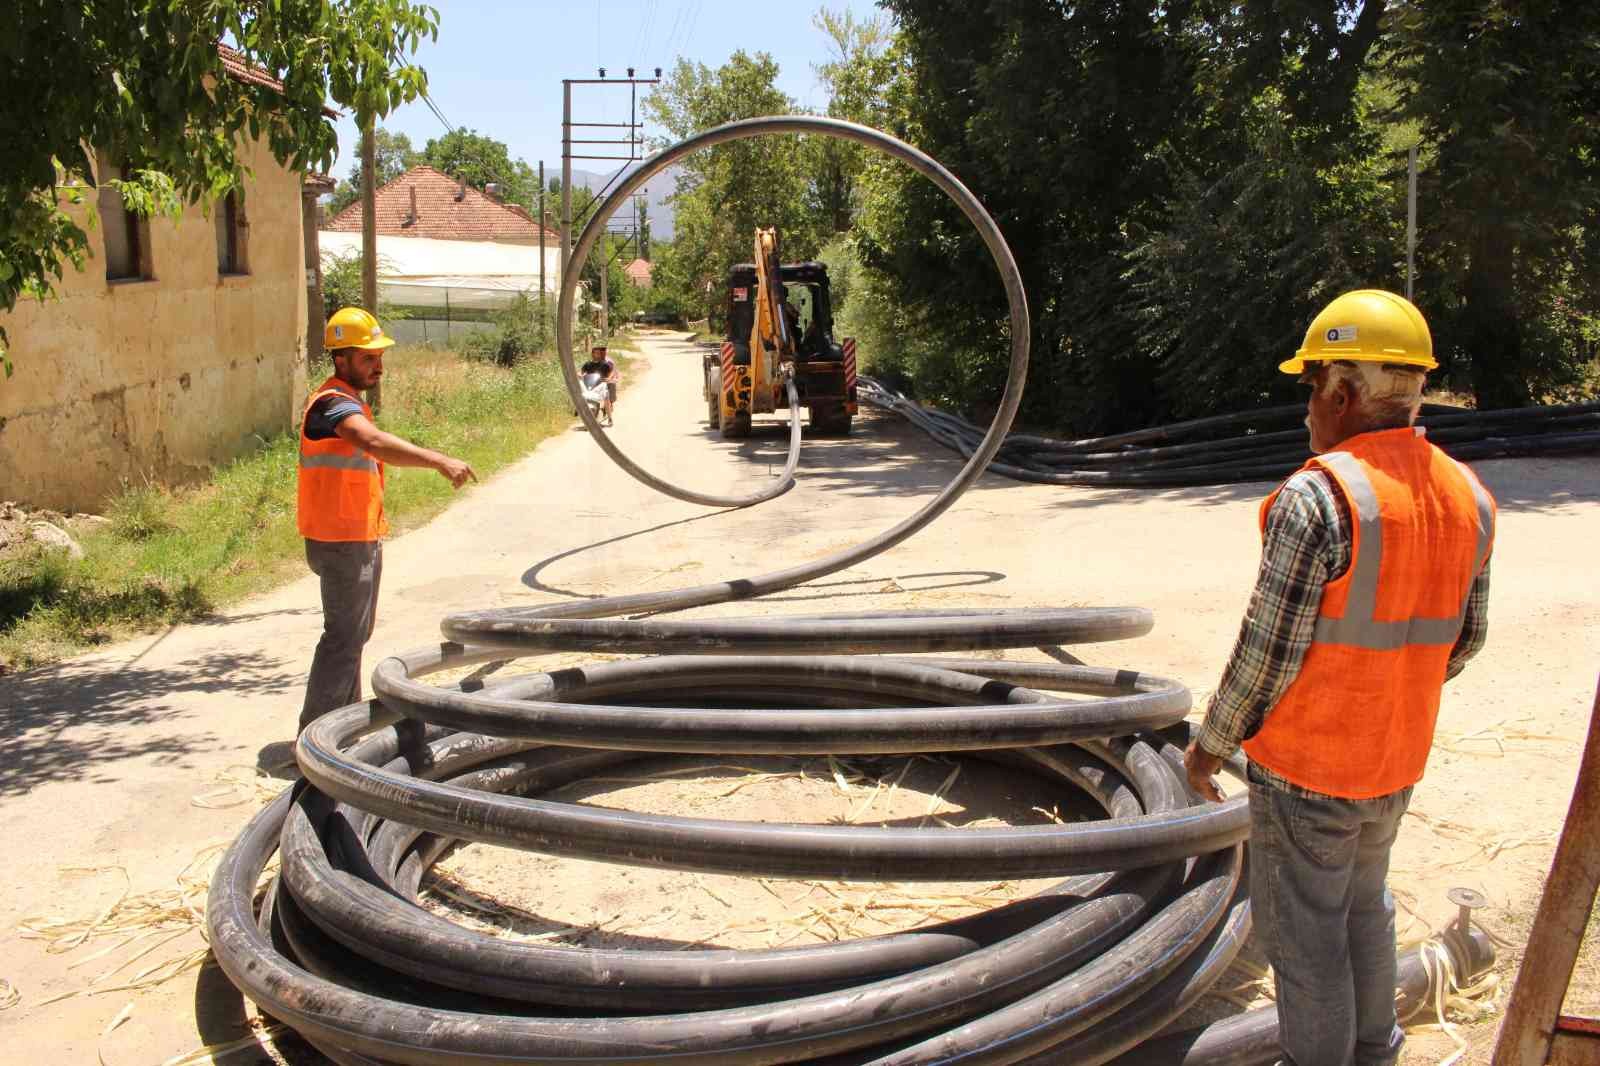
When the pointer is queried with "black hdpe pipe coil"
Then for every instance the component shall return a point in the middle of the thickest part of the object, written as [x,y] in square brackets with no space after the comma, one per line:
[1149,913]
[1202,451]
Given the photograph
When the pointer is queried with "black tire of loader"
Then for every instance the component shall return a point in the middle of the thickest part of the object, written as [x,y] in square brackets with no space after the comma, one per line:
[830,420]
[736,427]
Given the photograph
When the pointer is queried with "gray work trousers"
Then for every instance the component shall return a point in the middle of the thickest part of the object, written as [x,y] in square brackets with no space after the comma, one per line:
[1320,899]
[350,571]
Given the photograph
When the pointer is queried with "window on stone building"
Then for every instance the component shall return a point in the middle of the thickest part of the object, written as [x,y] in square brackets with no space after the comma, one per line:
[228,216]
[127,235]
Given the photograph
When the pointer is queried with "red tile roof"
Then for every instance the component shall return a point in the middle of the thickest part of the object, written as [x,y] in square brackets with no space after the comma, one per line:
[476,216]
[242,70]
[638,270]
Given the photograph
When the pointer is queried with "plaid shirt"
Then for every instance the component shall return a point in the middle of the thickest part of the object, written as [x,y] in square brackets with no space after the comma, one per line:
[1307,545]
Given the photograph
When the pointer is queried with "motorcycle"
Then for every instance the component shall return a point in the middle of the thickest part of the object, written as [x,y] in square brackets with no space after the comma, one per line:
[594,395]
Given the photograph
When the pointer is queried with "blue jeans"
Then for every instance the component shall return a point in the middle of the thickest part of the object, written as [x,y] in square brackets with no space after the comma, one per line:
[1322,908]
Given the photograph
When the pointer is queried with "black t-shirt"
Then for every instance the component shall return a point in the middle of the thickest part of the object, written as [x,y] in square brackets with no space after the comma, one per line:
[326,414]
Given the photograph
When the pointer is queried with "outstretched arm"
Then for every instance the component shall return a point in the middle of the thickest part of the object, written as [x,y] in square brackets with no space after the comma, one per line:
[386,447]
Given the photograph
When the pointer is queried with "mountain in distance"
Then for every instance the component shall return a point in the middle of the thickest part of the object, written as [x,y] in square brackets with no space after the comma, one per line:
[659,188]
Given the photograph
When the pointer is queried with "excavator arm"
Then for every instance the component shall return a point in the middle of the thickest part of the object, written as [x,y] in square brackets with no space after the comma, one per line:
[739,386]
[772,341]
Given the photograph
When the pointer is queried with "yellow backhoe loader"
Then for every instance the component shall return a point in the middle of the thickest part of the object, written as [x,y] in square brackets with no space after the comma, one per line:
[780,321]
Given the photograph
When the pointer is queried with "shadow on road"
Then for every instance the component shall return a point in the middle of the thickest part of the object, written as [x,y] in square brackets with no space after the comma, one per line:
[1540,484]
[62,722]
[896,584]
[530,576]
[903,584]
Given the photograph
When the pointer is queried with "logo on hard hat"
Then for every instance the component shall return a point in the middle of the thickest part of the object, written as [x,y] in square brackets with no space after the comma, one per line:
[338,333]
[377,331]
[1342,333]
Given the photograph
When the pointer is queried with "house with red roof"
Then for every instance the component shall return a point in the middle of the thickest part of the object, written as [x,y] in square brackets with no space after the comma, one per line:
[425,202]
[448,253]
[638,273]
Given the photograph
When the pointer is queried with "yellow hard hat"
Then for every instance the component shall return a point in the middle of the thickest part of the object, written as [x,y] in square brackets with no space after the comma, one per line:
[1368,326]
[351,327]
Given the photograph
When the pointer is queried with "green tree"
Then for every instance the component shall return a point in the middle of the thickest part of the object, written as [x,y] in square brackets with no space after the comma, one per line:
[482,160]
[141,81]
[1507,98]
[1243,257]
[857,76]
[725,192]
[394,155]
[1094,133]
[644,230]
[1055,118]
[583,202]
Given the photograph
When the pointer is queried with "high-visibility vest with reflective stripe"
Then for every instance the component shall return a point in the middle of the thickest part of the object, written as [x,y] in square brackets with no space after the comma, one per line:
[1358,719]
[341,486]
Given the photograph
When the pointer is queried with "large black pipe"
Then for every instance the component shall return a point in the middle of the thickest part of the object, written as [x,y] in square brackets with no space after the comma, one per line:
[342,952]
[339,1013]
[1264,453]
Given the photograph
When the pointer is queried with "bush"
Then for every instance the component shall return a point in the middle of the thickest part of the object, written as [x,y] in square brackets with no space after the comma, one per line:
[139,512]
[341,286]
[513,334]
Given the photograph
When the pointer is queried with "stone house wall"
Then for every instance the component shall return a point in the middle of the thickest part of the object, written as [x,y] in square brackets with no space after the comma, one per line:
[163,377]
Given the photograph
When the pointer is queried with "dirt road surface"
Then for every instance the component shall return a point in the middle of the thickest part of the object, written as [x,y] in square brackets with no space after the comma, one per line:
[118,769]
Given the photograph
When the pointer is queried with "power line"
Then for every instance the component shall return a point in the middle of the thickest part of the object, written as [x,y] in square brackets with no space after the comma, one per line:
[646,24]
[694,20]
[449,127]
[672,35]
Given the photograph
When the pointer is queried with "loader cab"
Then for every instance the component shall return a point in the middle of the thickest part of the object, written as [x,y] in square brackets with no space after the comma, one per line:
[805,288]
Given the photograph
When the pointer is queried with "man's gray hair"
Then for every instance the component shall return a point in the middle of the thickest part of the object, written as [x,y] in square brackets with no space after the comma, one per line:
[1388,395]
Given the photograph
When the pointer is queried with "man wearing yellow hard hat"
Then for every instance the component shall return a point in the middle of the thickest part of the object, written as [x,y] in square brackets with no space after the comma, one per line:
[1373,590]
[342,456]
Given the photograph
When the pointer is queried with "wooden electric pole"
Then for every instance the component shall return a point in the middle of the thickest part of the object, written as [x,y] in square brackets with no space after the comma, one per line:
[369,236]
[541,256]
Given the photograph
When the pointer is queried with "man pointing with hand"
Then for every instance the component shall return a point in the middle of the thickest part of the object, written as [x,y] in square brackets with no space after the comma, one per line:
[340,504]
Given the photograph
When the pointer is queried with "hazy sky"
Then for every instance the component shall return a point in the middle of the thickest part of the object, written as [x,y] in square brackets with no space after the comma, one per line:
[497,68]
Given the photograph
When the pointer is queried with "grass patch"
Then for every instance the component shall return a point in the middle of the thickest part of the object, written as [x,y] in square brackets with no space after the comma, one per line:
[139,512]
[173,556]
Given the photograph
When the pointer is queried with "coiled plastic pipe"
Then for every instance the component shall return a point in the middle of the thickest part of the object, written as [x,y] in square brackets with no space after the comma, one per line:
[1151,909]
[1202,451]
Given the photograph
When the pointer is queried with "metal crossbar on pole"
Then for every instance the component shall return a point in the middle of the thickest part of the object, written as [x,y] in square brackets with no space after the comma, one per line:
[632,142]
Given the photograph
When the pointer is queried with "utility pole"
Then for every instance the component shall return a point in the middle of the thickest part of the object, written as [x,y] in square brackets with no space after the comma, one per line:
[1411,219]
[541,255]
[605,295]
[369,235]
[630,139]
[566,176]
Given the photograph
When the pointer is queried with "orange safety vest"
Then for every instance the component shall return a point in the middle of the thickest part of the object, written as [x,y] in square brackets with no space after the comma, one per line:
[341,486]
[1358,719]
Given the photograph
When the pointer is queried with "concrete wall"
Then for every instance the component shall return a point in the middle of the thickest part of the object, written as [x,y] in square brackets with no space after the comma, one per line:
[160,378]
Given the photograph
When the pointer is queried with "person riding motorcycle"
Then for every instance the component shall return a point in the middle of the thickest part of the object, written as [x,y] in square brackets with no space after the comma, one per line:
[602,364]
